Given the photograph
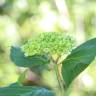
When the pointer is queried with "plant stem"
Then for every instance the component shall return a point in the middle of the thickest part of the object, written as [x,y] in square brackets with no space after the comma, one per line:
[59,81]
[60,90]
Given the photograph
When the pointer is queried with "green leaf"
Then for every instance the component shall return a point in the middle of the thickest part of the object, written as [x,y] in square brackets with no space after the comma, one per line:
[78,60]
[25,91]
[14,84]
[18,57]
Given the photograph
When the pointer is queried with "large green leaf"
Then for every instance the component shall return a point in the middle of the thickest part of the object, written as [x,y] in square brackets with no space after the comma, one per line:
[78,60]
[18,57]
[25,91]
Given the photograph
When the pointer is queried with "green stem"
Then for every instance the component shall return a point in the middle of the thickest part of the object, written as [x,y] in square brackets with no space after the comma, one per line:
[59,81]
[60,90]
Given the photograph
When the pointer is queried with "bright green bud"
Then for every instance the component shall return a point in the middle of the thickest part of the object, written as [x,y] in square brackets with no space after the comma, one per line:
[50,43]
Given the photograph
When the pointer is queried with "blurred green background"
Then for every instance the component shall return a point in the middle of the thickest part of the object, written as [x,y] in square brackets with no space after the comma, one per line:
[23,19]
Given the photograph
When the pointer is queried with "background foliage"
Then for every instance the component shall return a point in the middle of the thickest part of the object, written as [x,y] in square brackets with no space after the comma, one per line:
[23,19]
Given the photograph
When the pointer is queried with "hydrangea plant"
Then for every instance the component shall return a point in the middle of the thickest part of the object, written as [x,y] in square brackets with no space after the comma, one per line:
[36,56]
[50,43]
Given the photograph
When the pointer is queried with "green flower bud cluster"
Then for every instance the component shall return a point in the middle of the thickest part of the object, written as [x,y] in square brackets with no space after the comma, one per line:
[50,43]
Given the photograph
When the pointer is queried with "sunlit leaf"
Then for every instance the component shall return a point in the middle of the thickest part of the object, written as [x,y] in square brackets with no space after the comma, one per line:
[78,60]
